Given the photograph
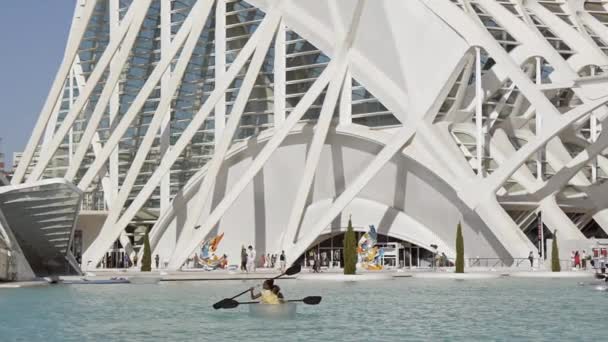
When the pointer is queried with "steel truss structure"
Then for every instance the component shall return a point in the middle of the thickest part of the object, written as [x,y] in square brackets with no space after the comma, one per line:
[488,112]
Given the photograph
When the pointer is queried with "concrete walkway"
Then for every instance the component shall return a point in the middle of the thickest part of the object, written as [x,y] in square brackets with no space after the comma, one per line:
[20,284]
[325,275]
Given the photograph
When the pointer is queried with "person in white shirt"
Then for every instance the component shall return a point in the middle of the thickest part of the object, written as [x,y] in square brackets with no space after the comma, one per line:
[584,260]
[250,259]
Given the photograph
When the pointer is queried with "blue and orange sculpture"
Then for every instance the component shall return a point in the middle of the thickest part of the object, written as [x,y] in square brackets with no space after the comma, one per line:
[369,255]
[207,258]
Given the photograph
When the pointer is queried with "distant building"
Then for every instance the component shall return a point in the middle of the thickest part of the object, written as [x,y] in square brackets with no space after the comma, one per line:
[1,156]
[16,159]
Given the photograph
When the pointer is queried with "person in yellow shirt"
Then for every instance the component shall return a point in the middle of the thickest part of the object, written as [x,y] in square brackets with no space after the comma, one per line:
[266,295]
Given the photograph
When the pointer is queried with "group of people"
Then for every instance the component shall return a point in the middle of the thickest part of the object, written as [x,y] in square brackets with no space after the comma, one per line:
[248,260]
[315,260]
[270,260]
[579,260]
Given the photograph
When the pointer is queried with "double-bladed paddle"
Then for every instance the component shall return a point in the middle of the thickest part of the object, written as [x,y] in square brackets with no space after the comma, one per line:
[295,269]
[231,303]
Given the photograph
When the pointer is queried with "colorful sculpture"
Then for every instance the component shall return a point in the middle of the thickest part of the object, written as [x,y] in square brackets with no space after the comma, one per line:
[369,255]
[207,258]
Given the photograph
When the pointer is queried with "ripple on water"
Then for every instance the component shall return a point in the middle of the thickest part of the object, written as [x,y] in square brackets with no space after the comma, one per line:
[405,309]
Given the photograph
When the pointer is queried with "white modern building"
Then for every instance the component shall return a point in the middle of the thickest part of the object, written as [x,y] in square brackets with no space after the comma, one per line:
[274,121]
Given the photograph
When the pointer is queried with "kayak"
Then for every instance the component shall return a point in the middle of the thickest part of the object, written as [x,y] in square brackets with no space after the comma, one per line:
[276,311]
[144,280]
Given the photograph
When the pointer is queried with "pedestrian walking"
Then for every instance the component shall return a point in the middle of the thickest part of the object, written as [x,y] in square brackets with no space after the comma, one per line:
[584,259]
[157,260]
[250,259]
[531,258]
[243,259]
[282,261]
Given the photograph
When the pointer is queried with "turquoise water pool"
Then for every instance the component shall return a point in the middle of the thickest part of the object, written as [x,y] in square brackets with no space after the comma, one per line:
[404,309]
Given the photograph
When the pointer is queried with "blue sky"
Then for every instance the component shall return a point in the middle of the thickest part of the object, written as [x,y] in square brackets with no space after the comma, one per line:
[33,34]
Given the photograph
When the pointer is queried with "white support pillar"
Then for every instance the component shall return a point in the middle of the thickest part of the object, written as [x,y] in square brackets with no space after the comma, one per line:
[79,26]
[312,158]
[220,66]
[151,82]
[346,100]
[307,100]
[165,130]
[396,144]
[71,101]
[479,96]
[112,192]
[213,166]
[337,66]
[105,181]
[539,122]
[280,88]
[119,59]
[52,124]
[136,15]
[593,134]
[112,227]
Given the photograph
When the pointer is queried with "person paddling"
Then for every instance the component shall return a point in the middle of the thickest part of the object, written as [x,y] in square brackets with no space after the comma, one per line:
[277,291]
[266,295]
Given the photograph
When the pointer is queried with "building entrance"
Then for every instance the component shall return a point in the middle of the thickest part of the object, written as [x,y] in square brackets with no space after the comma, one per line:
[329,249]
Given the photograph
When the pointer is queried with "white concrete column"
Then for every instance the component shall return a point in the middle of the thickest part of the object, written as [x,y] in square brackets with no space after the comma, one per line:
[346,100]
[71,99]
[539,123]
[479,112]
[114,13]
[593,125]
[165,129]
[220,66]
[280,90]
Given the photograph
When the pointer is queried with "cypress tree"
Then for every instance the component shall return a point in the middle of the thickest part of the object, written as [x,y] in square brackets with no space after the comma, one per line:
[555,267]
[146,260]
[459,250]
[350,250]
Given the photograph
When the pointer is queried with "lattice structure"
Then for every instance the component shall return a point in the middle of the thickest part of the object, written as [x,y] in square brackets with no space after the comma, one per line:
[487,112]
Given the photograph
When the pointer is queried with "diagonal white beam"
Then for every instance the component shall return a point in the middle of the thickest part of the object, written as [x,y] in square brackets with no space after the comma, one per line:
[142,97]
[111,191]
[561,178]
[335,67]
[462,89]
[79,26]
[220,66]
[108,91]
[182,252]
[96,250]
[137,11]
[214,165]
[395,145]
[346,100]
[498,108]
[280,88]
[313,157]
[498,177]
[199,13]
